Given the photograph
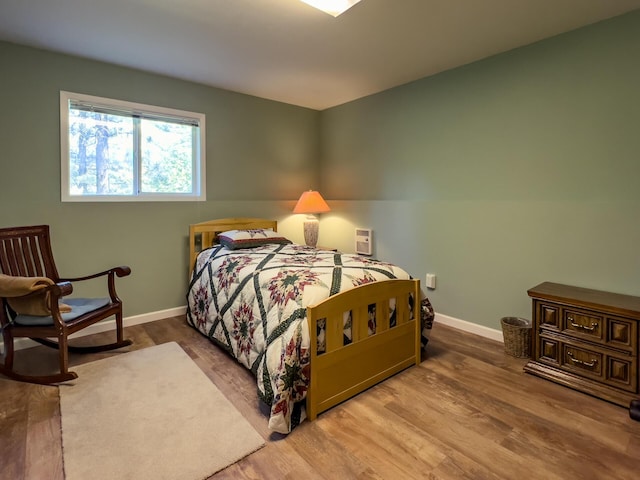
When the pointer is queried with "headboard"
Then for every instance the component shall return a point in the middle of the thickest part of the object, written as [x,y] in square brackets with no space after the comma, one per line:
[204,235]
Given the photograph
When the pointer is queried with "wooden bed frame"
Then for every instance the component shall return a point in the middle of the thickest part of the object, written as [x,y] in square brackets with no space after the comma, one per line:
[343,371]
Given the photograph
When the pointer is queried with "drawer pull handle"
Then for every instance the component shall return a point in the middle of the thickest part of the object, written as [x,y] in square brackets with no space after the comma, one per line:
[590,364]
[593,326]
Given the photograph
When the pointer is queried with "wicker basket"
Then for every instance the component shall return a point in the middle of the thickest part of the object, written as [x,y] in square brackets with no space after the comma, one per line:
[517,336]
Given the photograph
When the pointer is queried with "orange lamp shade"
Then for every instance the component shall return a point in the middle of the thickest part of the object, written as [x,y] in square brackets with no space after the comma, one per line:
[311,202]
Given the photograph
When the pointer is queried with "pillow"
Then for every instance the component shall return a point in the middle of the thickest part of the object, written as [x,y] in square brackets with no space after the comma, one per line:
[235,239]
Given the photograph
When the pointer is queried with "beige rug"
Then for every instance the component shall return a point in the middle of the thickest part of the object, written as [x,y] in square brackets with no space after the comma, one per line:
[149,414]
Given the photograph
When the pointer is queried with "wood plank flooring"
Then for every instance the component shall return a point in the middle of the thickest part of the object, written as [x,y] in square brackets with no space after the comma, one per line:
[467,412]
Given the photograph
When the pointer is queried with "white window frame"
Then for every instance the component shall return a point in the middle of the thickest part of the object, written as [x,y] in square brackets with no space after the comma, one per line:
[199,159]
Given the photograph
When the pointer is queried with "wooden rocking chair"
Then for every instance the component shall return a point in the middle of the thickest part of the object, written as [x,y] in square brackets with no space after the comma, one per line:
[26,258]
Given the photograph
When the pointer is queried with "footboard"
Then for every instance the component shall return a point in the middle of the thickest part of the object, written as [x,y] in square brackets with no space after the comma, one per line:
[342,371]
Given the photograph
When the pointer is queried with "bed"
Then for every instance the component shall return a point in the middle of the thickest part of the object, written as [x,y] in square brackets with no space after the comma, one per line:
[314,326]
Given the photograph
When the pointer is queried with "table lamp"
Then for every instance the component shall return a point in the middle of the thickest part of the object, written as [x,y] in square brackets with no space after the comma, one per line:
[311,203]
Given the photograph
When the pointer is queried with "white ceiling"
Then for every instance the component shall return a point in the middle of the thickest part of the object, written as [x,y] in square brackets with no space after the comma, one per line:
[287,51]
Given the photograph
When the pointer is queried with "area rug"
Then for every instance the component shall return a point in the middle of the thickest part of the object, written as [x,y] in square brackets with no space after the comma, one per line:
[149,414]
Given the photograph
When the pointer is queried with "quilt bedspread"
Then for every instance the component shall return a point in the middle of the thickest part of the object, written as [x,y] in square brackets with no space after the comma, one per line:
[252,302]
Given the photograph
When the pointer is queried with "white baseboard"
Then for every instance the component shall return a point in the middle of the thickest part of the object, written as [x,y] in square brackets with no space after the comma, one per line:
[106,325]
[470,327]
[109,324]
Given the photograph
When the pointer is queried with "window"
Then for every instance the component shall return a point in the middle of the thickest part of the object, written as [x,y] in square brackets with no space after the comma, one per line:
[118,151]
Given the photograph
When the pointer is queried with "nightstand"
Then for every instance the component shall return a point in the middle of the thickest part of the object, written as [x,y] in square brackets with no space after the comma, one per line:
[587,340]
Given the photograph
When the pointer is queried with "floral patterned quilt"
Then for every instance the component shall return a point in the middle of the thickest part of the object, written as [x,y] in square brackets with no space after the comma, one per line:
[252,302]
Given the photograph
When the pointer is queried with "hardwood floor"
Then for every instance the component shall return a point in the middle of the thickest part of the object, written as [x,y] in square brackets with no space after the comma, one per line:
[467,412]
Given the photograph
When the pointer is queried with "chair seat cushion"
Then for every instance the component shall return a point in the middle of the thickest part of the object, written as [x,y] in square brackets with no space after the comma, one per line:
[79,306]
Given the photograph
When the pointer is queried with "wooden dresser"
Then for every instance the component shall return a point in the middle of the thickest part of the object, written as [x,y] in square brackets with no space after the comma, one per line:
[587,340]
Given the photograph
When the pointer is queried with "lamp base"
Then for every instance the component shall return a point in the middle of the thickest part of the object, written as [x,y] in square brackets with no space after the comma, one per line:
[311,227]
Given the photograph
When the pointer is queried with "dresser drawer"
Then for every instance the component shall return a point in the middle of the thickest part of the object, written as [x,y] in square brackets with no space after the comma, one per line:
[585,324]
[608,331]
[603,365]
[584,361]
[592,326]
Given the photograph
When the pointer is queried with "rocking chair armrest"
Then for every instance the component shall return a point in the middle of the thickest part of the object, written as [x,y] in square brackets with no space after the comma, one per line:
[56,292]
[60,289]
[121,271]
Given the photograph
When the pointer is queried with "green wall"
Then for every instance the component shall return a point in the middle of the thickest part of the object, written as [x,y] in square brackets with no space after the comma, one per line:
[260,155]
[495,176]
[501,174]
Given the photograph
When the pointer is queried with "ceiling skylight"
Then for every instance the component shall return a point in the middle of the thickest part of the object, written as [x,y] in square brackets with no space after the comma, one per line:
[332,7]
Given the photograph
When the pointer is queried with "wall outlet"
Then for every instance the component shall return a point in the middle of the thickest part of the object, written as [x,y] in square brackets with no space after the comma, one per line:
[431,281]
